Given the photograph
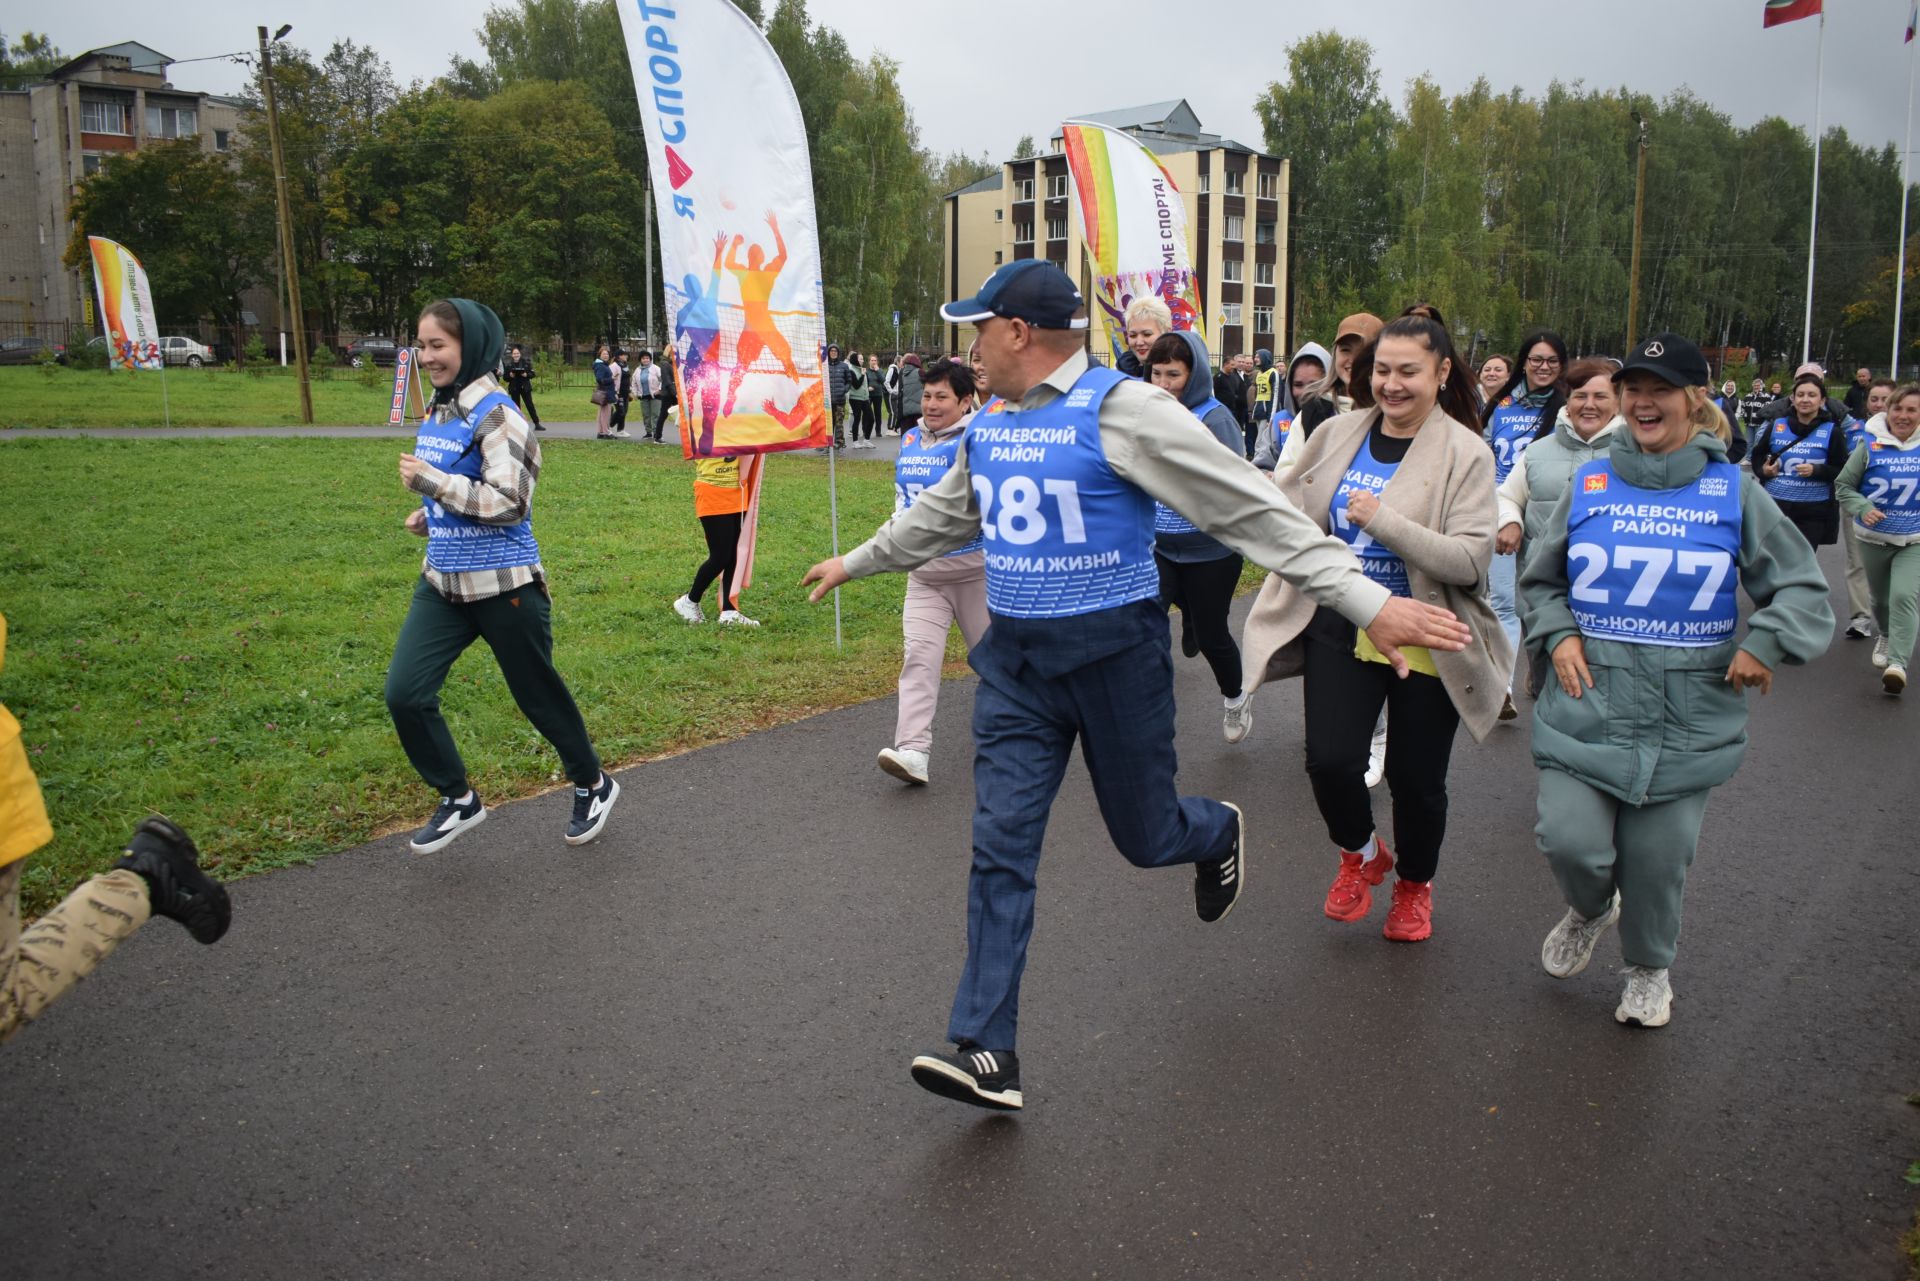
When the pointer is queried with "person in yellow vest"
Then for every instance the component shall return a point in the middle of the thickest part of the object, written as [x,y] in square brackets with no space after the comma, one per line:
[720,501]
[158,875]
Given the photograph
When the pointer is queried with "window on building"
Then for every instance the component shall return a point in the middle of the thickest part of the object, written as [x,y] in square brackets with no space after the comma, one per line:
[90,165]
[1236,229]
[1263,320]
[1263,231]
[999,256]
[221,138]
[1057,187]
[1232,270]
[1022,233]
[1262,273]
[1206,183]
[1229,313]
[1023,189]
[103,117]
[172,122]
[1269,186]
[1056,229]
[1236,183]
[999,215]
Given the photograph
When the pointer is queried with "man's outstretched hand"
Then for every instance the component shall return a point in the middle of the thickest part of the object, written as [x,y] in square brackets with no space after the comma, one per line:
[829,574]
[1402,621]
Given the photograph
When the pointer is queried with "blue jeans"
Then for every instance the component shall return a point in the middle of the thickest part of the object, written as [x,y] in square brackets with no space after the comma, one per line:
[1500,594]
[1117,699]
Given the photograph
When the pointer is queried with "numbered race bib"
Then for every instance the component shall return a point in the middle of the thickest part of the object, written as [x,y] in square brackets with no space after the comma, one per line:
[1165,519]
[922,464]
[1510,431]
[1892,483]
[1064,534]
[1654,566]
[1856,433]
[1792,451]
[1379,563]
[455,543]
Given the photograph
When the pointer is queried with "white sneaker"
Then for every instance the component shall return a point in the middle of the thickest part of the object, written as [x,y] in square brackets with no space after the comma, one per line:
[734,618]
[1377,758]
[689,609]
[1648,1000]
[1880,656]
[904,764]
[623,434]
[1894,679]
[1570,944]
[1239,719]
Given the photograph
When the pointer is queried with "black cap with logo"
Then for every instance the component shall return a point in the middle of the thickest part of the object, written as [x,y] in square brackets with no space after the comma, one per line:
[1671,357]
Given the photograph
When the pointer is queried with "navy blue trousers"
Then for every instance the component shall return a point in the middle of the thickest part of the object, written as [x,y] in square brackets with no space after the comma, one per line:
[1105,679]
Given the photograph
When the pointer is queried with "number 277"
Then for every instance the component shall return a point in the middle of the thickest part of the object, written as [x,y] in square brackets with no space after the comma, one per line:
[1655,564]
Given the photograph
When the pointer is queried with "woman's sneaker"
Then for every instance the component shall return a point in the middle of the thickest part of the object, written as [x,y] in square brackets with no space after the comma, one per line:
[1894,679]
[984,1078]
[1377,758]
[734,618]
[591,805]
[904,764]
[1880,655]
[1410,919]
[1569,946]
[165,858]
[448,821]
[1238,721]
[1350,897]
[689,609]
[1648,1000]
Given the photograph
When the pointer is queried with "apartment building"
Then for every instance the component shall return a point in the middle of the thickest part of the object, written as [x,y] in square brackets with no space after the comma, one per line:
[52,135]
[1236,215]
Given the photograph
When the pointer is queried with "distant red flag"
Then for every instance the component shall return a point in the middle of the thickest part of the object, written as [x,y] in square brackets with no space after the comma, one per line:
[1779,11]
[1913,20]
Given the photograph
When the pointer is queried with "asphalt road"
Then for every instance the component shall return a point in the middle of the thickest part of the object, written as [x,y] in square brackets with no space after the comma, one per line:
[682,1052]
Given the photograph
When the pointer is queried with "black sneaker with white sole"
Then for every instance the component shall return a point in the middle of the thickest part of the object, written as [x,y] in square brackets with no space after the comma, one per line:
[984,1078]
[1217,882]
[165,858]
[591,805]
[449,820]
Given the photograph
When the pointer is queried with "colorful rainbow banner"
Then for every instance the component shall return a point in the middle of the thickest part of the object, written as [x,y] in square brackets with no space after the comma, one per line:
[126,306]
[740,255]
[1135,222]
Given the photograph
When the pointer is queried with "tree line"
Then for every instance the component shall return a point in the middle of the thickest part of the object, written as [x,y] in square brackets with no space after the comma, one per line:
[1508,211]
[518,178]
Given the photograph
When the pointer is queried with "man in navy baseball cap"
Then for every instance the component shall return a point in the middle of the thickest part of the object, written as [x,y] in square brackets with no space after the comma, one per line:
[1032,290]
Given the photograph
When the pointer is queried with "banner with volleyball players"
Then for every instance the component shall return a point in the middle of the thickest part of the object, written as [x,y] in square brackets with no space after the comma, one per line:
[126,306]
[740,255]
[1135,221]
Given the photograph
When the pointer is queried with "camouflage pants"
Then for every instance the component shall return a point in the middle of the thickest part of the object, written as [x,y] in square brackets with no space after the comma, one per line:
[64,946]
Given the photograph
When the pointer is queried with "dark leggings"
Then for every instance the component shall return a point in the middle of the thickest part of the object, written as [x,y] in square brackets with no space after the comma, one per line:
[523,397]
[1344,695]
[1203,589]
[723,550]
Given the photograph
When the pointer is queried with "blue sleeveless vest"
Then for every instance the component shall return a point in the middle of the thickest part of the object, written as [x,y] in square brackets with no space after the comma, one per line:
[1165,519]
[1510,431]
[1892,483]
[1065,536]
[921,464]
[1655,566]
[1379,563]
[1790,450]
[457,544]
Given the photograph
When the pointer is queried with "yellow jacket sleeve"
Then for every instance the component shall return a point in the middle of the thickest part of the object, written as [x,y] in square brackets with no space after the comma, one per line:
[23,815]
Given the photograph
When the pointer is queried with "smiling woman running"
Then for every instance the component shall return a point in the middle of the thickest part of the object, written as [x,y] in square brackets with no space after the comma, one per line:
[474,464]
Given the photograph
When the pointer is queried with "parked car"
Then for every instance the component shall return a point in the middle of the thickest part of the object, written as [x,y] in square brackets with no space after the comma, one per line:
[30,351]
[176,350]
[378,351]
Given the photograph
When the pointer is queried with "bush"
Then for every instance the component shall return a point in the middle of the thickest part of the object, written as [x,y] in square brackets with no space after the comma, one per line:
[322,360]
[80,355]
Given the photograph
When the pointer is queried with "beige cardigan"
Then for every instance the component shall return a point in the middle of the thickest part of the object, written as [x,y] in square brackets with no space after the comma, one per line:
[1445,483]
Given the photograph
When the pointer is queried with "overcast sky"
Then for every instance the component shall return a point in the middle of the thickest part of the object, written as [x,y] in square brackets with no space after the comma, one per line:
[981,74]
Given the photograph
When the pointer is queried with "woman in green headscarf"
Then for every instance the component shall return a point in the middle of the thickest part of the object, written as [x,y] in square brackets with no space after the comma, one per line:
[474,464]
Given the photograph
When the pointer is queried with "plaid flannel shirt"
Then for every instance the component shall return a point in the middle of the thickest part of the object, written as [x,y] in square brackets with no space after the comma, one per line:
[509,466]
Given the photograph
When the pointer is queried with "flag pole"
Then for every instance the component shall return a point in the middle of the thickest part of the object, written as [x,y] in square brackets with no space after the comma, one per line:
[1900,270]
[833,514]
[166,410]
[1819,72]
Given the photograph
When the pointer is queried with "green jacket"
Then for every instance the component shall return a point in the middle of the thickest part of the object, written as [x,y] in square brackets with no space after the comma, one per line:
[1846,486]
[1661,721]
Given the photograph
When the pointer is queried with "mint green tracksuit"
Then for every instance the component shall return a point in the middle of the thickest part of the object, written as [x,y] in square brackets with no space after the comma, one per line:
[1626,768]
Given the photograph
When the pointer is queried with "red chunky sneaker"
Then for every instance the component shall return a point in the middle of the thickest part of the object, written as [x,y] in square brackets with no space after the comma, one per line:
[1351,896]
[1410,919]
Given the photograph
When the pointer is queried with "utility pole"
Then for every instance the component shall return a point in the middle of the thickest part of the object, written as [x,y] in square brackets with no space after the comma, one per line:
[286,224]
[1639,208]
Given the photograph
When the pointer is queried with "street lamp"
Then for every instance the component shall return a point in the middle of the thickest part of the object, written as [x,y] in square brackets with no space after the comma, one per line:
[1639,207]
[286,222]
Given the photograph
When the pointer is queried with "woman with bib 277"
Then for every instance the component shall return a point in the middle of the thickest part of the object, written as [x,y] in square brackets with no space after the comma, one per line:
[1632,592]
[474,465]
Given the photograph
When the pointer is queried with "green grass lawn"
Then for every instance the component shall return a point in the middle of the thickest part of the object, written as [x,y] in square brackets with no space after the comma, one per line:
[34,397]
[202,628]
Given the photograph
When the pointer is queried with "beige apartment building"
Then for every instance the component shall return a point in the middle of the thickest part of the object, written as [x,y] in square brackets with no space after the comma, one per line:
[1236,216]
[101,104]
